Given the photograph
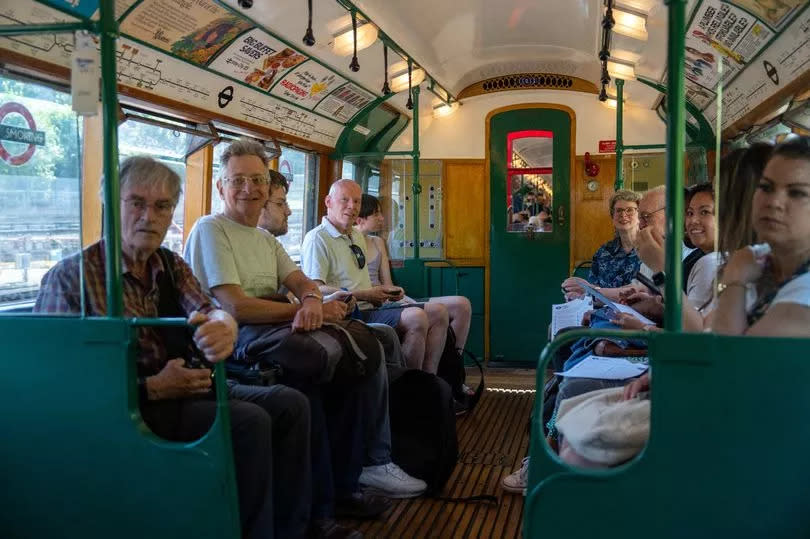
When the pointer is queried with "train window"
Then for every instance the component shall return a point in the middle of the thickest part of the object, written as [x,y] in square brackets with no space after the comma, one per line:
[40,202]
[300,169]
[168,146]
[347,172]
[530,181]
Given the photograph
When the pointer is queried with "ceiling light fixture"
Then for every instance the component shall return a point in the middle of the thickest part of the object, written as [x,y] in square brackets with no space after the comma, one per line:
[343,43]
[443,110]
[630,23]
[621,70]
[399,76]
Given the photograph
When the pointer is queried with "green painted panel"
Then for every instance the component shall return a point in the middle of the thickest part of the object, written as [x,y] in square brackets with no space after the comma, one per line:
[725,458]
[76,459]
[526,272]
[411,277]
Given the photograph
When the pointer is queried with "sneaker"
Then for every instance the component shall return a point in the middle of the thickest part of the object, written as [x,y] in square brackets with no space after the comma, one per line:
[329,529]
[459,408]
[467,390]
[361,505]
[390,480]
[518,480]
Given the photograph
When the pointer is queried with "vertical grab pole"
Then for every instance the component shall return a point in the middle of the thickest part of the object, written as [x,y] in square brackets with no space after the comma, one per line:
[619,183]
[417,187]
[112,195]
[676,147]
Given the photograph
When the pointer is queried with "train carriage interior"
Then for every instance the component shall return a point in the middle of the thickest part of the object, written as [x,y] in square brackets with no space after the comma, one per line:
[615,186]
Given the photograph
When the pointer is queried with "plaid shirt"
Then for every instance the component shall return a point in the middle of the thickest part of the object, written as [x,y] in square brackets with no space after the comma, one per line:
[60,293]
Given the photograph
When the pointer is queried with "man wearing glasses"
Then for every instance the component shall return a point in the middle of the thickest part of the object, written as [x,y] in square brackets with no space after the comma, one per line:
[243,267]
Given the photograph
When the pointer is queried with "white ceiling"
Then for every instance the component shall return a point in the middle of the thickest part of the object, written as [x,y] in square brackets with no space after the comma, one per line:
[460,42]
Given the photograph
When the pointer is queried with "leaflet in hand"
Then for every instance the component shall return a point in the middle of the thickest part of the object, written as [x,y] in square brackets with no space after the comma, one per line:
[618,307]
[608,368]
[566,315]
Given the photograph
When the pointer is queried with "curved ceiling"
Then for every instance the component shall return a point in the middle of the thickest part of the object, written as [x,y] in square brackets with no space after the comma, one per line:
[464,41]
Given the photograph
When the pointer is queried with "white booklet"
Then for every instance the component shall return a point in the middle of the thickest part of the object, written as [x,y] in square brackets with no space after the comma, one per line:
[608,368]
[566,315]
[619,307]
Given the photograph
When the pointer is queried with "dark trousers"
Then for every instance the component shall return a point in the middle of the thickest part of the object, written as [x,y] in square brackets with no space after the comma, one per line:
[337,445]
[184,420]
[292,476]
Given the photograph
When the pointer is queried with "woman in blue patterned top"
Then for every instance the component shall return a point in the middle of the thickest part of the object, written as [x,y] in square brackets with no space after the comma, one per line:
[616,263]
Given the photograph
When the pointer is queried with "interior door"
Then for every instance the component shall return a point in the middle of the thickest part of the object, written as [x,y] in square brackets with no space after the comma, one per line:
[530,167]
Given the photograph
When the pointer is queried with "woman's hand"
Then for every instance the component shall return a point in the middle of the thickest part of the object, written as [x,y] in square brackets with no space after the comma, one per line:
[744,267]
[642,383]
[627,321]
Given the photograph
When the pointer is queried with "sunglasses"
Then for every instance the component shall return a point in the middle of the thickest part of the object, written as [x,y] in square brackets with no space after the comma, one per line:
[359,255]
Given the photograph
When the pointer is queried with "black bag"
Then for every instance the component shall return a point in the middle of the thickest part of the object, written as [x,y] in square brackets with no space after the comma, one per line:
[451,370]
[341,352]
[423,428]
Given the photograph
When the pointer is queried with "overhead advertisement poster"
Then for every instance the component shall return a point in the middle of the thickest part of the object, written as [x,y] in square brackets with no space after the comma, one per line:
[257,58]
[719,32]
[345,102]
[307,84]
[780,64]
[194,30]
[774,13]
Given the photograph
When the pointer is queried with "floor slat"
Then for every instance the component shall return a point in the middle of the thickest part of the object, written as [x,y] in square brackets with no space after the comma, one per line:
[492,442]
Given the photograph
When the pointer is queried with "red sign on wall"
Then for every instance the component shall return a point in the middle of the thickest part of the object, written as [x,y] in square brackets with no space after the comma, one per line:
[607,146]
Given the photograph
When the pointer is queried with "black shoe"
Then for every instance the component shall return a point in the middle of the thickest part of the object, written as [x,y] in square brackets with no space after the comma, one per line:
[361,505]
[459,408]
[329,529]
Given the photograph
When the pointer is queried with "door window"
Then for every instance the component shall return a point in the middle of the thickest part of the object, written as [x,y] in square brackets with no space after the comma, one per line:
[529,181]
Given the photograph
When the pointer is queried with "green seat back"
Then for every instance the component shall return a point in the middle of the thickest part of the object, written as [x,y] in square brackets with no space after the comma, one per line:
[582,270]
[77,461]
[727,454]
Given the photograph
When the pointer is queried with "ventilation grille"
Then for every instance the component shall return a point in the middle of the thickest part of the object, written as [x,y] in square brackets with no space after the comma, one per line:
[530,80]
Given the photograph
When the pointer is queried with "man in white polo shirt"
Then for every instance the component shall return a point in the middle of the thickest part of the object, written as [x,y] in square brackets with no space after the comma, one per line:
[333,255]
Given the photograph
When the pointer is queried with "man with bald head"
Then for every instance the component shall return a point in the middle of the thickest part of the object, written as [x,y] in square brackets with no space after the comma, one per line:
[333,255]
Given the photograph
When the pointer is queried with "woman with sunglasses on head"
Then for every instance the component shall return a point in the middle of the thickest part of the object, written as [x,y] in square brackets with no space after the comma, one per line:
[371,221]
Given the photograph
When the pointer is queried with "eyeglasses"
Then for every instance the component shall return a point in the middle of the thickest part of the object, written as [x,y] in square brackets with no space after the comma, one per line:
[629,212]
[163,208]
[359,255]
[239,181]
[644,217]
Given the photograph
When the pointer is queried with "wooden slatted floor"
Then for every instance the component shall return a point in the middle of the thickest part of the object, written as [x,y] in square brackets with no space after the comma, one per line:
[492,442]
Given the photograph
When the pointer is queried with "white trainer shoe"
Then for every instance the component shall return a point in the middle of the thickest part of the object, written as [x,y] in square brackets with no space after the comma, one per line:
[518,480]
[391,481]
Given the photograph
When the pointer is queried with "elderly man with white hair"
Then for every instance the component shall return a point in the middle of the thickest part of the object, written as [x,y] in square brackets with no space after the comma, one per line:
[177,402]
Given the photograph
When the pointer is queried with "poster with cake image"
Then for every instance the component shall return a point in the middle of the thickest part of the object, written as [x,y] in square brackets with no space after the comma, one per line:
[345,102]
[774,13]
[194,30]
[256,58]
[307,84]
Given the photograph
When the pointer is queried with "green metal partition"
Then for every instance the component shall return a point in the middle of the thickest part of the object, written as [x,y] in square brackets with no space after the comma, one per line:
[77,460]
[727,432]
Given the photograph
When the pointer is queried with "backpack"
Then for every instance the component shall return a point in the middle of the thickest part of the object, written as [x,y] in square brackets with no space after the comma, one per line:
[451,370]
[423,428]
[340,352]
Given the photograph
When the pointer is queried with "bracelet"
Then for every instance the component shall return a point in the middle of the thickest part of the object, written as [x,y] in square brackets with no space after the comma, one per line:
[721,287]
[311,295]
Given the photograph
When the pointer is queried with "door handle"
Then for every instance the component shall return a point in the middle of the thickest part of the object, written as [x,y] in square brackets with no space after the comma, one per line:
[561,216]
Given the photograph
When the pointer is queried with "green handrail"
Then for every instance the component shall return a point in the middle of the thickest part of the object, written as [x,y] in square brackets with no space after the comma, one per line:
[417,187]
[619,183]
[676,146]
[112,193]
[54,28]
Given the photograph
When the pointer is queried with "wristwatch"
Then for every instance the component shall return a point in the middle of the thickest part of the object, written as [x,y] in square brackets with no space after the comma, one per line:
[312,295]
[659,278]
